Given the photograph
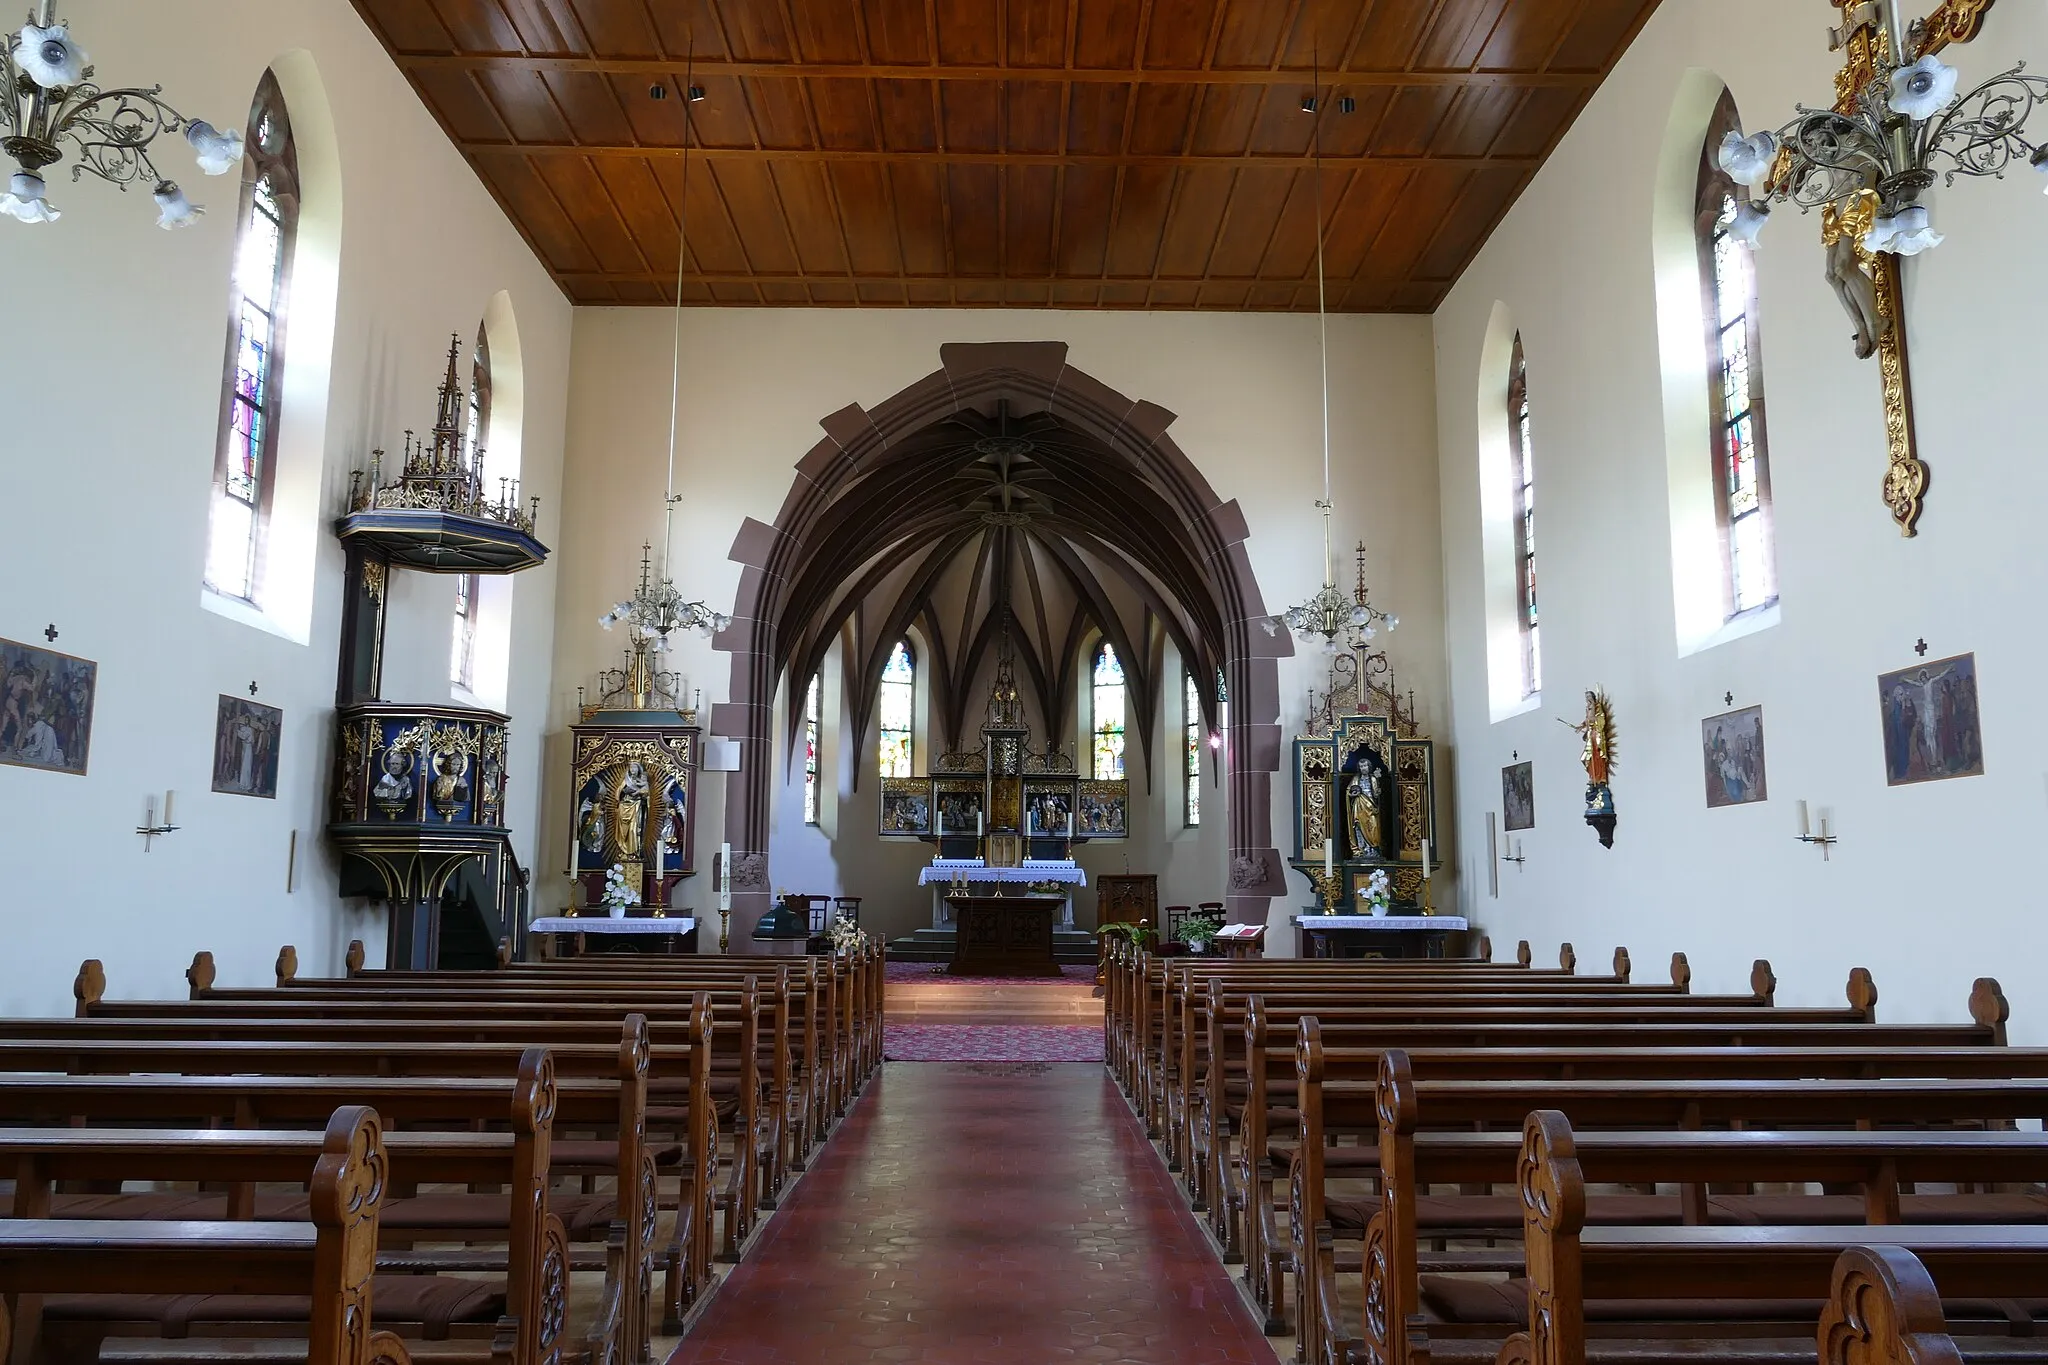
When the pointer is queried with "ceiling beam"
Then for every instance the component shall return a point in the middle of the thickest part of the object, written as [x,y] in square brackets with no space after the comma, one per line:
[1300,160]
[703,67]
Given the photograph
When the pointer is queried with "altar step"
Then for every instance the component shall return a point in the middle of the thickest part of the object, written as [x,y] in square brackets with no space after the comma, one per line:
[1069,947]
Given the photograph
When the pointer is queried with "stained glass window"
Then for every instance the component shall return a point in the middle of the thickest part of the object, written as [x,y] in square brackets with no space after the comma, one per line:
[898,705]
[1523,475]
[1192,743]
[462,664]
[1107,716]
[244,468]
[811,752]
[1742,481]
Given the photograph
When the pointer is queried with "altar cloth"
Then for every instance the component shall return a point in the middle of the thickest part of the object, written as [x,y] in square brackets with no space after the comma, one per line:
[1040,872]
[1386,923]
[605,924]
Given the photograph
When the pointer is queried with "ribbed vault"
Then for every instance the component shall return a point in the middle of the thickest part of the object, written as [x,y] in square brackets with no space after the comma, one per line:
[987,527]
[1005,492]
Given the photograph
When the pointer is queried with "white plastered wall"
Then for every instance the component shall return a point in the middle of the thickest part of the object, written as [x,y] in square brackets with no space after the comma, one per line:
[1926,888]
[756,383]
[113,393]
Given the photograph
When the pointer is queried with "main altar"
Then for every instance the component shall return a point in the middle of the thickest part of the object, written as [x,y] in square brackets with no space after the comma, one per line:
[1006,817]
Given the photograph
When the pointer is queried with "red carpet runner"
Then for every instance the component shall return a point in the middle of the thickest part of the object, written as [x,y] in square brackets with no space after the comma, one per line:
[959,1216]
[992,1042]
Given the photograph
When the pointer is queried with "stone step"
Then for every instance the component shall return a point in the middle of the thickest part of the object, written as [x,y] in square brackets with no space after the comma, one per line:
[1069,947]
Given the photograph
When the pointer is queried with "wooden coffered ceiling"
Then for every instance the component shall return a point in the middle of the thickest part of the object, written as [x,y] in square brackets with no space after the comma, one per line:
[1071,153]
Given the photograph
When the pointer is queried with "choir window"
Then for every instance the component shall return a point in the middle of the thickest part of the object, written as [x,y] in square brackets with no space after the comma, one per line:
[1192,741]
[1107,713]
[898,705]
[811,752]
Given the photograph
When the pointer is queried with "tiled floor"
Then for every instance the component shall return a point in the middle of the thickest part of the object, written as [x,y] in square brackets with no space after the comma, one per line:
[982,1215]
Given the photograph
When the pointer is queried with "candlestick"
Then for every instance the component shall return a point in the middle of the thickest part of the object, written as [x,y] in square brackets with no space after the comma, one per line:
[1425,860]
[1329,856]
[1804,828]
[977,824]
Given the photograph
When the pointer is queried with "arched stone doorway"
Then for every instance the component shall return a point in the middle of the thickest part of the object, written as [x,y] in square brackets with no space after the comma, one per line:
[861,481]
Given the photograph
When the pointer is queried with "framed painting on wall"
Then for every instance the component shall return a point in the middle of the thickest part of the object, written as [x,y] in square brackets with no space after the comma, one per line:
[1733,747]
[1518,795]
[246,738]
[1932,730]
[46,702]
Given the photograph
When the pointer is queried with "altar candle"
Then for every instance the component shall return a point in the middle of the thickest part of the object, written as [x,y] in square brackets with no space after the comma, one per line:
[942,822]
[1804,829]
[1070,824]
[977,824]
[1425,860]
[1329,856]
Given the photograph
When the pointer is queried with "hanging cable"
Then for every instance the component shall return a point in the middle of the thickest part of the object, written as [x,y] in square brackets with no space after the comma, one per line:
[1322,309]
[675,383]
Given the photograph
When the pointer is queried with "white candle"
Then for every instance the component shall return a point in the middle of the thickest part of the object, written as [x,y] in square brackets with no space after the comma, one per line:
[725,876]
[1329,856]
[168,794]
[1070,824]
[1425,860]
[1804,829]
[1823,822]
[942,822]
[977,824]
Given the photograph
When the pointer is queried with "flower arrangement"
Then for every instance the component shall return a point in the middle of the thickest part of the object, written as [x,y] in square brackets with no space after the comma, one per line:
[618,892]
[847,937]
[1379,893]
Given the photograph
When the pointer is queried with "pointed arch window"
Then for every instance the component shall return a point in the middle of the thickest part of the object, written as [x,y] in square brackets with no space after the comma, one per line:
[1107,712]
[811,704]
[1191,743]
[1522,473]
[898,705]
[1735,382]
[245,460]
[462,662]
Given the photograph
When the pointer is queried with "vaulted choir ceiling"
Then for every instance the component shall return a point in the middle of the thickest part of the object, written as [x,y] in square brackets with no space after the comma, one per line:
[1074,153]
[988,529]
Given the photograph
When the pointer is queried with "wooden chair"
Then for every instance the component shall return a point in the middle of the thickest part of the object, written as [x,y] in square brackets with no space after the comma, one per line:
[1177,917]
[846,907]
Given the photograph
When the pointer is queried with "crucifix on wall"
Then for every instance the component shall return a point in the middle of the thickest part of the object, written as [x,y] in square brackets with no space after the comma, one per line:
[1896,126]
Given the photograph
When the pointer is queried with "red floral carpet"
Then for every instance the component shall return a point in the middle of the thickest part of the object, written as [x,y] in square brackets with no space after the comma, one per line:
[991,1043]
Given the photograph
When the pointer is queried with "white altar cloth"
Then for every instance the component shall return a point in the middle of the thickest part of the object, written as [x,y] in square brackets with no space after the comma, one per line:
[1384,923]
[944,873]
[605,924]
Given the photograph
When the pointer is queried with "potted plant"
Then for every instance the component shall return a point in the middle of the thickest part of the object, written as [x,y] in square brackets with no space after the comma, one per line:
[618,892]
[1137,935]
[1200,932]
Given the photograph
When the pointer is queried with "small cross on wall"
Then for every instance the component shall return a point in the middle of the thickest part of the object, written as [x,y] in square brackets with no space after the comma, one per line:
[1921,649]
[50,633]
[252,689]
[1728,700]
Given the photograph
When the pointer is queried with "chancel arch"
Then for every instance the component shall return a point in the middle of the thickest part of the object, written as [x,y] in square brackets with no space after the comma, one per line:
[1005,506]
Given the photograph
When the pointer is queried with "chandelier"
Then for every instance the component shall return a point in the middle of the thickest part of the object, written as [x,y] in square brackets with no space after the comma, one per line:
[1330,615]
[1883,146]
[49,107]
[657,610]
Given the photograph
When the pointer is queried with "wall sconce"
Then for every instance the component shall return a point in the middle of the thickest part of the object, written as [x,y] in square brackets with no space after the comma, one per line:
[149,828]
[1825,839]
[1514,854]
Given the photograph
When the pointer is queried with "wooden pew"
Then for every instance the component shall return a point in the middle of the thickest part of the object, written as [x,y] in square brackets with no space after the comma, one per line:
[678,1080]
[327,1258]
[1883,1308]
[1780,1270]
[261,1100]
[534,1016]
[1352,1052]
[1404,1107]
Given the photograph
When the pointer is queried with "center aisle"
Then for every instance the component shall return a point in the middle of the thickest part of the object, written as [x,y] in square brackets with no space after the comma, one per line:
[985,1213]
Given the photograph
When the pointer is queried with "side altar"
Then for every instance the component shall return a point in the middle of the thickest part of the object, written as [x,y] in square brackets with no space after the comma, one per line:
[1364,787]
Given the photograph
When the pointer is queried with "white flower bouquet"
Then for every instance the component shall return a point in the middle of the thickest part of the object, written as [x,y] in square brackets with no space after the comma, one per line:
[847,937]
[1379,893]
[619,894]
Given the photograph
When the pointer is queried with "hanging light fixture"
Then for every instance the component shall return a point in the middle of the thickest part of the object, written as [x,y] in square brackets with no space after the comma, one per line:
[49,107]
[657,610]
[1330,615]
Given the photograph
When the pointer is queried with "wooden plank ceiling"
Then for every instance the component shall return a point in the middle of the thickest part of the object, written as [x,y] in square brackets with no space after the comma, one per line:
[1071,153]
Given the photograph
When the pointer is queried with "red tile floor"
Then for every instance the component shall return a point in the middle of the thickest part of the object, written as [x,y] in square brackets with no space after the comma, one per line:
[982,1214]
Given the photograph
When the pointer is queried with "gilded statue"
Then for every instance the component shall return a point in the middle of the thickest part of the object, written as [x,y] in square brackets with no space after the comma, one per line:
[1365,808]
[1596,738]
[629,811]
